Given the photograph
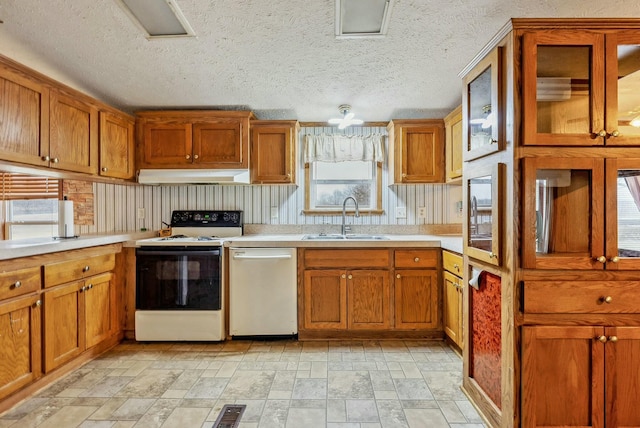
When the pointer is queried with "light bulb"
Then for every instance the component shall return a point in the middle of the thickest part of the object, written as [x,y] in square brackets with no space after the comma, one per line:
[635,122]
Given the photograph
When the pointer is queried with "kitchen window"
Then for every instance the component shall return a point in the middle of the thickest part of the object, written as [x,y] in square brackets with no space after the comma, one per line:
[30,206]
[338,166]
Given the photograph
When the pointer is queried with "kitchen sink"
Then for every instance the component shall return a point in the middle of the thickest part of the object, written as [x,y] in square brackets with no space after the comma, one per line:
[336,236]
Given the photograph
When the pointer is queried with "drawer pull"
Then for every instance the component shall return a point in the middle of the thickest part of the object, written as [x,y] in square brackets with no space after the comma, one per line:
[602,259]
[85,269]
[614,259]
[417,259]
[38,302]
[456,267]
[343,276]
[17,284]
[493,255]
[607,299]
[350,277]
[83,288]
[602,339]
[90,286]
[613,339]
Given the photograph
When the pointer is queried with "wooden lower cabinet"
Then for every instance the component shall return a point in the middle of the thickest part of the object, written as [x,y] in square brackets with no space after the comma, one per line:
[340,299]
[580,376]
[20,351]
[416,299]
[452,308]
[77,316]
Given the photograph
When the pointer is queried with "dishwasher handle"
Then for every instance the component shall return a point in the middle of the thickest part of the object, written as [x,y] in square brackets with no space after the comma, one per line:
[273,257]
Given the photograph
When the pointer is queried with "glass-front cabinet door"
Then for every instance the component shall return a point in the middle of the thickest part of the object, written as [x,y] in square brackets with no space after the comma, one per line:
[481,108]
[580,88]
[622,88]
[623,214]
[581,213]
[484,206]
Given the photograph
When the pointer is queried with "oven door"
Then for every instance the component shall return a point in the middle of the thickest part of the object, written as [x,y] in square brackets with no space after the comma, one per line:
[178,278]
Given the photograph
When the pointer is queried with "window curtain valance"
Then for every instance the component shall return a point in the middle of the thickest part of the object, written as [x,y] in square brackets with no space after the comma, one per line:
[340,148]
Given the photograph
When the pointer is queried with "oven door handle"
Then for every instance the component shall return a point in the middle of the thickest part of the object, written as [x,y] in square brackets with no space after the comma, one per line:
[274,257]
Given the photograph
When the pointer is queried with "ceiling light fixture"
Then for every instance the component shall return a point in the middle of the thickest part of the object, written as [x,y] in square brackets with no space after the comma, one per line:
[635,122]
[362,18]
[346,119]
[158,18]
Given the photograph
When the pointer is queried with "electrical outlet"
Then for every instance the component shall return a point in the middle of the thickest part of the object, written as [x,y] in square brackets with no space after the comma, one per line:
[274,212]
[401,212]
[422,212]
[141,213]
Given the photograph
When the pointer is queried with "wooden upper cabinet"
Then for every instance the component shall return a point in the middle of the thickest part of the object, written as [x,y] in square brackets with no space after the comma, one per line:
[273,151]
[453,145]
[416,153]
[194,139]
[116,145]
[578,88]
[24,118]
[73,137]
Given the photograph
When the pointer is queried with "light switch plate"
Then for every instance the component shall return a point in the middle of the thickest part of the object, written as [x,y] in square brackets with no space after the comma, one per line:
[141,213]
[401,212]
[274,212]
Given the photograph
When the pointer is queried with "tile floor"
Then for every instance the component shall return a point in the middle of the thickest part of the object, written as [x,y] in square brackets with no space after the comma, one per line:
[290,384]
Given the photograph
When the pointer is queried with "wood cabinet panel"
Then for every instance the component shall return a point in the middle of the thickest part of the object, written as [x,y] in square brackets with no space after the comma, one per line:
[24,118]
[20,350]
[219,145]
[273,151]
[73,136]
[346,258]
[416,258]
[18,282]
[452,262]
[598,297]
[100,313]
[416,299]
[569,362]
[70,270]
[369,295]
[325,299]
[166,144]
[117,140]
[622,376]
[63,324]
[417,153]
[453,145]
[452,308]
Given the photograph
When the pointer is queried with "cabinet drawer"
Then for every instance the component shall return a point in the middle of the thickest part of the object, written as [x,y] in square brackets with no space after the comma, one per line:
[18,282]
[572,297]
[452,262]
[71,270]
[350,258]
[416,258]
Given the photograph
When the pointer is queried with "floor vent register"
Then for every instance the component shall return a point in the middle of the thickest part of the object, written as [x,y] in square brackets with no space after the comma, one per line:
[229,416]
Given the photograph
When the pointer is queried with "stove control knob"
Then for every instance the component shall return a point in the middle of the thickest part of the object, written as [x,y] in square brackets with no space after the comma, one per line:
[226,216]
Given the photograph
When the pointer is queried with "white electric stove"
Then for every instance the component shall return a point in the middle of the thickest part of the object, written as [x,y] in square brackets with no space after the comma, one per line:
[179,292]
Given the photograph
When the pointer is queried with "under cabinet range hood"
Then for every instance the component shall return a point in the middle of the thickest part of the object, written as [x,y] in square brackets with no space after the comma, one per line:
[193,176]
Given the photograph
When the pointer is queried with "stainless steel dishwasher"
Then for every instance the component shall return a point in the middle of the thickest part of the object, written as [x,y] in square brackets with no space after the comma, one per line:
[262,292]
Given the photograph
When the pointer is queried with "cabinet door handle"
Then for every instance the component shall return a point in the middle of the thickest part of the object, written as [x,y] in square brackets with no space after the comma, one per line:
[45,158]
[38,302]
[86,268]
[55,160]
[343,276]
[602,133]
[90,286]
[17,284]
[188,157]
[83,288]
[493,255]
[104,169]
[615,133]
[602,339]
[350,277]
[614,259]
[613,339]
[196,156]
[607,299]
[601,259]
[398,275]
[493,141]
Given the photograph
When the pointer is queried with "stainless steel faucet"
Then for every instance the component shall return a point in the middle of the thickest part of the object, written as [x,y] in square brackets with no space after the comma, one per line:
[345,228]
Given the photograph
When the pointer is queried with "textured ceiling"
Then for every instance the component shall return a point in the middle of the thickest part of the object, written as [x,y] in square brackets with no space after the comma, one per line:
[278,58]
